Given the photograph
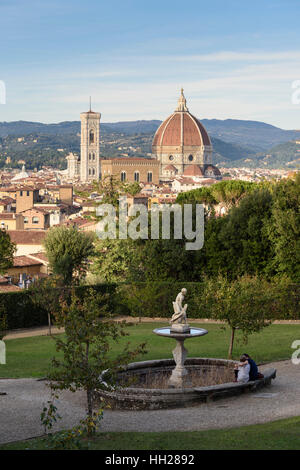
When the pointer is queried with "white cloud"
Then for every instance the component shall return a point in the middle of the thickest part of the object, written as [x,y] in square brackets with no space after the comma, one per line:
[246,85]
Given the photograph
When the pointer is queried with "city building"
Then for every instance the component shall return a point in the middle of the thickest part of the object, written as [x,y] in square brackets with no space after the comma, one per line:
[140,170]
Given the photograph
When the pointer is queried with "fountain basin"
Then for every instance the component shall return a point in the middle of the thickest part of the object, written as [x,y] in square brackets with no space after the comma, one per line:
[167,332]
[138,398]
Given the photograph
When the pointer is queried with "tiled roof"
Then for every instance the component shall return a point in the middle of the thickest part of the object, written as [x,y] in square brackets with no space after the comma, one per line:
[27,237]
[21,261]
[214,169]
[193,170]
[9,288]
[7,215]
[132,159]
[39,256]
[171,168]
[36,209]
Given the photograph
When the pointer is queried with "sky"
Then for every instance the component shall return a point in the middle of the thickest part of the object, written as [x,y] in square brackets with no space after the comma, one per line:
[235,59]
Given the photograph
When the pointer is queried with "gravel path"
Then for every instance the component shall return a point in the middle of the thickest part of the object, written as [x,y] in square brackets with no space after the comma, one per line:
[20,408]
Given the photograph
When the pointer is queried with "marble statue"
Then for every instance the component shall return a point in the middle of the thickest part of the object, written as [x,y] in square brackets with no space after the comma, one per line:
[179,320]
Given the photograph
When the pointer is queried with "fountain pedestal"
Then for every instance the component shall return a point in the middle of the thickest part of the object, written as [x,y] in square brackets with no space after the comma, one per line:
[179,377]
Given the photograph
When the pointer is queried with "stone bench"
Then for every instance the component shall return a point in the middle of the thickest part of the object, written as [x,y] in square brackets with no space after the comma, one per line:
[213,392]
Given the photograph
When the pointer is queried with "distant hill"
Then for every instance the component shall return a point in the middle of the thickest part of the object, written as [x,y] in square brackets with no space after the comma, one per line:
[225,152]
[235,142]
[285,155]
[20,128]
[254,135]
[132,127]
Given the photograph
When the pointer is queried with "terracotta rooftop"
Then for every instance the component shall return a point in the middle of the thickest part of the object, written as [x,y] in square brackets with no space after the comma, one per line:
[27,237]
[9,288]
[193,170]
[40,256]
[214,169]
[131,159]
[36,209]
[171,168]
[21,261]
[7,200]
[7,215]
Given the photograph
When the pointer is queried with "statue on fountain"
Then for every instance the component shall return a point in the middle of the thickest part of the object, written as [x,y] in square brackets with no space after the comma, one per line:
[179,321]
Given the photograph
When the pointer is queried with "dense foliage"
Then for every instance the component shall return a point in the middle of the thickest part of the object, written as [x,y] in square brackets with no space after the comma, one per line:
[7,250]
[68,252]
[259,235]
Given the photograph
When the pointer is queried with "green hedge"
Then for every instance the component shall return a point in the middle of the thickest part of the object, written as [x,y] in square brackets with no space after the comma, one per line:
[21,311]
[134,299]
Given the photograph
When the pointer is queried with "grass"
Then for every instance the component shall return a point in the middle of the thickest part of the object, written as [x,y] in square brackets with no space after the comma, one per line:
[277,435]
[30,357]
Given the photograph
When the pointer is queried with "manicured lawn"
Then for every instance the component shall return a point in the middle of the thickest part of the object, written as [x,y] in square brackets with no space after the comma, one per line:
[278,435]
[30,357]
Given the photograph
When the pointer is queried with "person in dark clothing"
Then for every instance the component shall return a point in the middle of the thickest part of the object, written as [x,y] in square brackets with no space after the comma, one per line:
[253,374]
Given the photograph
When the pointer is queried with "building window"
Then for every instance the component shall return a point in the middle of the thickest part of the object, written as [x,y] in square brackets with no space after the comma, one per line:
[35,220]
[90,156]
[93,156]
[26,220]
[94,171]
[136,176]
[123,176]
[171,157]
[191,158]
[149,177]
[89,171]
[21,193]
[27,193]
[92,137]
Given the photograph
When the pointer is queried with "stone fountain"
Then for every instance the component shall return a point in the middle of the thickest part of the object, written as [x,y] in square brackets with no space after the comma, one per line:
[157,384]
[180,331]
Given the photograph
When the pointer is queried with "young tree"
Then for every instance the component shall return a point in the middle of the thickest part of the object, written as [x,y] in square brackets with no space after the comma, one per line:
[7,250]
[46,294]
[109,187]
[85,348]
[247,304]
[69,251]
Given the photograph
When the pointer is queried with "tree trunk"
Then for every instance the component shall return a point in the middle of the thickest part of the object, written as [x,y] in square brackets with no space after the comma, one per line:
[89,392]
[231,343]
[49,324]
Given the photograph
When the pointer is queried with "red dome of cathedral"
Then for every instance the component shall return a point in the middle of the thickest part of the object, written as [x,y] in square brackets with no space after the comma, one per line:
[183,147]
[181,129]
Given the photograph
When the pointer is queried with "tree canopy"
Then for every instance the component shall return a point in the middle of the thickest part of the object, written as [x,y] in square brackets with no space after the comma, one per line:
[69,251]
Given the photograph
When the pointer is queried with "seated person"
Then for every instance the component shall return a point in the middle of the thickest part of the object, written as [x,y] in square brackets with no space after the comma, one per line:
[242,370]
[254,374]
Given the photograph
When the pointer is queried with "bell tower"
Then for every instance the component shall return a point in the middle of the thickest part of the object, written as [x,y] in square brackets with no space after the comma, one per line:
[90,146]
